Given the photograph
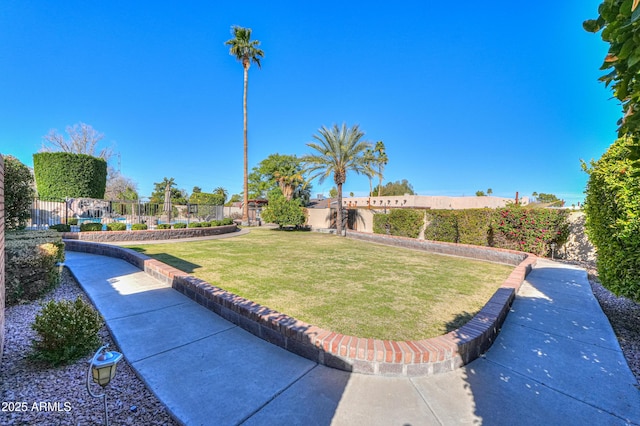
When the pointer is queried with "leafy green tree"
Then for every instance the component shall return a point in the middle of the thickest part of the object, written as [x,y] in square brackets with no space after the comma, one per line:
[284,212]
[178,196]
[333,192]
[480,194]
[196,190]
[619,21]
[220,191]
[489,191]
[339,150]
[234,199]
[245,51]
[612,222]
[551,200]
[395,188]
[283,172]
[18,193]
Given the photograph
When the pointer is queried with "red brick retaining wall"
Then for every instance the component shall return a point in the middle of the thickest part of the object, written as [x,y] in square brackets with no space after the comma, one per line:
[350,353]
[148,234]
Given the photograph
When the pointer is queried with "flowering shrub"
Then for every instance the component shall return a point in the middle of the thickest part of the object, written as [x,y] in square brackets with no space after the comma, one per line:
[530,230]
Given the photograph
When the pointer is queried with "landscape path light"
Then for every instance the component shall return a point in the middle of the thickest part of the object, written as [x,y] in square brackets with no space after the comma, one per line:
[102,369]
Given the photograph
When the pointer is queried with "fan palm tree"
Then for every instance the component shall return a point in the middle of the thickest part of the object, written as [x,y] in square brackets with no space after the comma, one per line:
[339,151]
[221,192]
[245,51]
[381,161]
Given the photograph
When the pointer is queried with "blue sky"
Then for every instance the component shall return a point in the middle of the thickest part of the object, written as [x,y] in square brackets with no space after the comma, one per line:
[465,95]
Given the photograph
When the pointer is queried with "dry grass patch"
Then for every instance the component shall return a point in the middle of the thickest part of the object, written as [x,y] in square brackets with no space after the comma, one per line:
[348,286]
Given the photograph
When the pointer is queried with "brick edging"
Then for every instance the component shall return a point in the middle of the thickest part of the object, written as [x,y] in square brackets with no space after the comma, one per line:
[349,353]
[148,234]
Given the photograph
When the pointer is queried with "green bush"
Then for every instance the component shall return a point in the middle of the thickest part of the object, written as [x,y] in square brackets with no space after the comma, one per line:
[442,225]
[139,227]
[612,222]
[72,221]
[31,264]
[226,221]
[531,230]
[474,226]
[116,226]
[205,224]
[195,225]
[405,222]
[18,193]
[61,227]
[179,225]
[381,223]
[90,226]
[67,330]
[163,226]
[284,212]
[63,174]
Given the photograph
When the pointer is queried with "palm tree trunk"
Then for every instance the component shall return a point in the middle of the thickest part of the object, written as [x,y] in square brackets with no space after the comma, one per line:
[339,212]
[245,209]
[380,183]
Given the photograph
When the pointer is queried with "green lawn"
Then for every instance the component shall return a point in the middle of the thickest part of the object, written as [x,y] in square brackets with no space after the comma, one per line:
[347,286]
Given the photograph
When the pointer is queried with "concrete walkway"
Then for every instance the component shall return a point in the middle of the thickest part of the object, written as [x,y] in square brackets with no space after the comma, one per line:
[556,361]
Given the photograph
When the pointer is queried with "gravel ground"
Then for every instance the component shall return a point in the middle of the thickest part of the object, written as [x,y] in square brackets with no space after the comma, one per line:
[32,393]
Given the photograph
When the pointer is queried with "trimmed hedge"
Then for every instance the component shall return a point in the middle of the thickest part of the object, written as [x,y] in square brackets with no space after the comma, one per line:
[179,225]
[61,227]
[91,226]
[31,264]
[442,225]
[612,221]
[116,226]
[139,227]
[63,174]
[514,227]
[163,226]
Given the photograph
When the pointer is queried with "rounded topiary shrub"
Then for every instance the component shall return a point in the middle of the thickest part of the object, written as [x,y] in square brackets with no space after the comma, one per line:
[61,227]
[91,226]
[163,226]
[63,174]
[116,226]
[67,330]
[139,227]
[179,225]
[195,225]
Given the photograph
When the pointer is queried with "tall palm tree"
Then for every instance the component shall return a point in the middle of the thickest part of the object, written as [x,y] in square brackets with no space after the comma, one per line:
[381,161]
[339,151]
[222,192]
[245,51]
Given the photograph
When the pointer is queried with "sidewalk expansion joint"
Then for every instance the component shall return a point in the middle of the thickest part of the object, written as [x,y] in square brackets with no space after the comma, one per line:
[147,312]
[185,344]
[277,394]
[426,402]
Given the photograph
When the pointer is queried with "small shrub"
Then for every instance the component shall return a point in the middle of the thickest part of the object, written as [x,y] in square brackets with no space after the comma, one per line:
[67,330]
[61,227]
[206,224]
[195,225]
[116,226]
[179,225]
[163,226]
[226,221]
[31,264]
[72,221]
[91,226]
[139,227]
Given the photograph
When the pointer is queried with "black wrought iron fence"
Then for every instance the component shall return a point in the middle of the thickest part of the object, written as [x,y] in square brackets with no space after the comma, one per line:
[75,211]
